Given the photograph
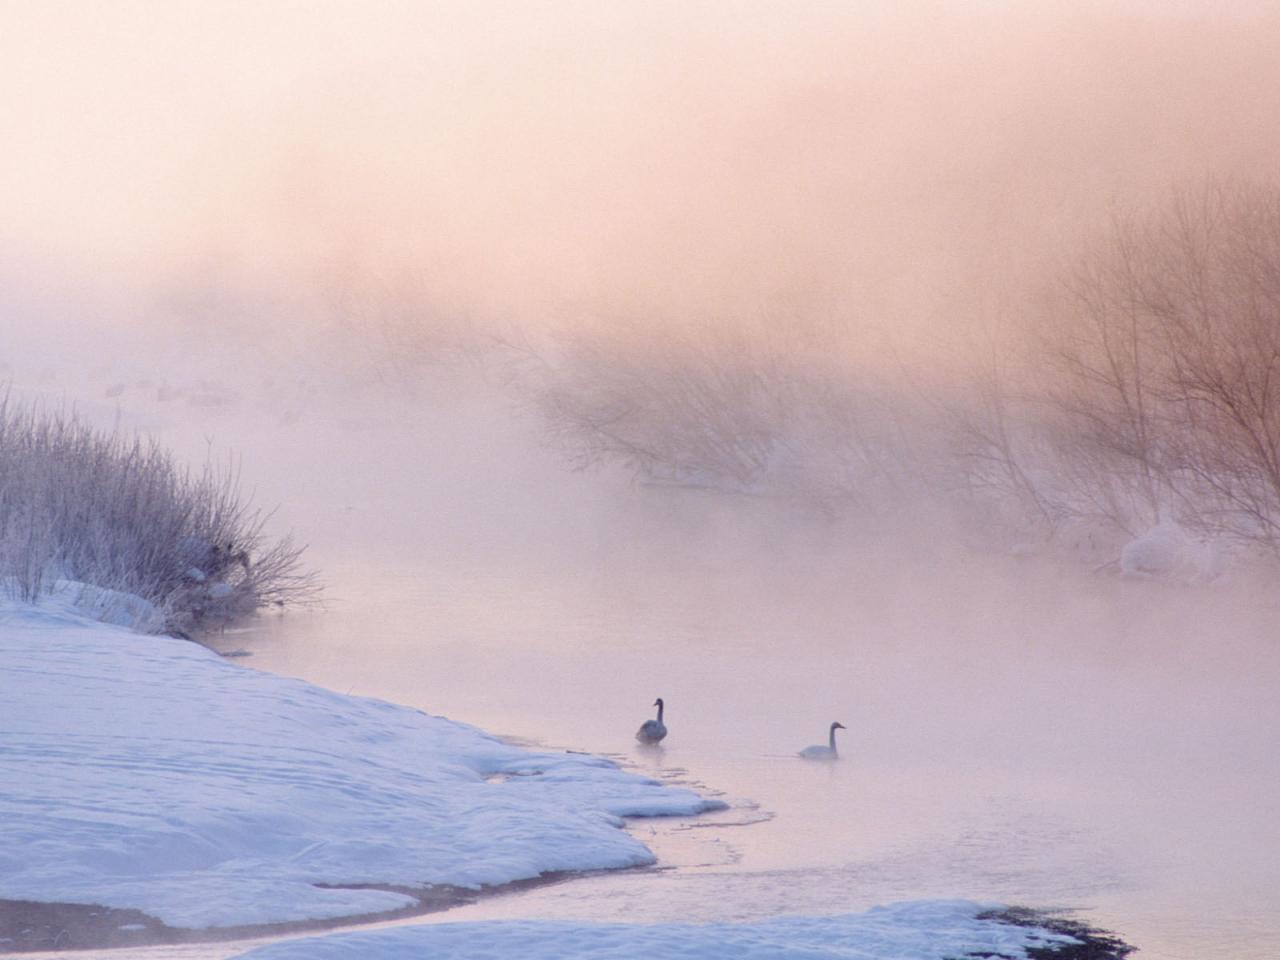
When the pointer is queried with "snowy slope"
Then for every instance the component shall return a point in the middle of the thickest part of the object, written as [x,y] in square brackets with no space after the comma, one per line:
[147,772]
[929,930]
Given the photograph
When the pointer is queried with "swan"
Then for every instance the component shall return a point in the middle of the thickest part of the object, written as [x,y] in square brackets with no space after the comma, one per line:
[651,731]
[825,751]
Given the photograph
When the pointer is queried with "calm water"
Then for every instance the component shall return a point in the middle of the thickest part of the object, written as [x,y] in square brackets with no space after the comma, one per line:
[1017,734]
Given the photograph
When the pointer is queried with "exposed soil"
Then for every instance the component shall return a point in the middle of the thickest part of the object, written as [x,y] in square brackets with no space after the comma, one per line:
[1093,944]
[27,926]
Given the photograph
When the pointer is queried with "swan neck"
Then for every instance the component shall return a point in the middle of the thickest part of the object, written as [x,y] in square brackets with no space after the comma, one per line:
[660,706]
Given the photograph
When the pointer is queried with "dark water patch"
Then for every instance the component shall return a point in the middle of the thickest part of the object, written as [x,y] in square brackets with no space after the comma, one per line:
[1091,943]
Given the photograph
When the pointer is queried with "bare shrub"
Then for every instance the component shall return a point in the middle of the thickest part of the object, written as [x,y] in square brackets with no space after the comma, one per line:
[114,511]
[1154,383]
[997,454]
[729,409]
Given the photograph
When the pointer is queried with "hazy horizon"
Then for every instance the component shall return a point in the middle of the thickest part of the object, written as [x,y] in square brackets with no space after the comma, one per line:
[277,175]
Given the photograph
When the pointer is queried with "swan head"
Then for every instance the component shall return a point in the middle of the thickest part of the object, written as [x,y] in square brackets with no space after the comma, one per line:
[658,702]
[838,726]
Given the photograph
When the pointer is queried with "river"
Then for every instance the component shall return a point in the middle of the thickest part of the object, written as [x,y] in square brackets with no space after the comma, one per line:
[1019,729]
[1026,734]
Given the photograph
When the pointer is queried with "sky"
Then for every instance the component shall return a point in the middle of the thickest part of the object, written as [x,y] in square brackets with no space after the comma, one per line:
[283,169]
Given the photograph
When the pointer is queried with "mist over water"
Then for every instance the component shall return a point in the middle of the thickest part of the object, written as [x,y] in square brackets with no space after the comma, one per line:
[376,254]
[1019,730]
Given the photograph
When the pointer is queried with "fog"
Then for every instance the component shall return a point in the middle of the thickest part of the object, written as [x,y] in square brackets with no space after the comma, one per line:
[459,238]
[890,172]
[363,191]
[419,253]
[412,264]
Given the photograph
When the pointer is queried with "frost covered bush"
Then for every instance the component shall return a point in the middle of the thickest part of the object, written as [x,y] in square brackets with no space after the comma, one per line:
[1169,552]
[734,410]
[1148,385]
[113,511]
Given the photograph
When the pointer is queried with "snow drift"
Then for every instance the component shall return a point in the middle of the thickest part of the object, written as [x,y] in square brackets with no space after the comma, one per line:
[146,772]
[928,930]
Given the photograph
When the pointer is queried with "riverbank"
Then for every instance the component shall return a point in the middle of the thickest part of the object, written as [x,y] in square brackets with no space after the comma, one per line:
[925,930]
[162,795]
[28,926]
[147,773]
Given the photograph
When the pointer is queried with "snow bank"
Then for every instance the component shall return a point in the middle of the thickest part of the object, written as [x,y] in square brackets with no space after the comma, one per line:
[96,603]
[1169,552]
[929,930]
[147,772]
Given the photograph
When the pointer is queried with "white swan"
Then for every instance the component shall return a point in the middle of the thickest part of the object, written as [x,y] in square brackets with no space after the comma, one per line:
[825,751]
[651,731]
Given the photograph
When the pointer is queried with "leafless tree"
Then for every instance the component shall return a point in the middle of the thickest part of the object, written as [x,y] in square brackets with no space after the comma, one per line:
[1155,377]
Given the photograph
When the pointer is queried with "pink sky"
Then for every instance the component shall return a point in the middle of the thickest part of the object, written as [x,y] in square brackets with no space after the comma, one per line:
[577,157]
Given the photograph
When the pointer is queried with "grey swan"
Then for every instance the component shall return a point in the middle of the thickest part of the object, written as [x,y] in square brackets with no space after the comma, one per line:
[652,731]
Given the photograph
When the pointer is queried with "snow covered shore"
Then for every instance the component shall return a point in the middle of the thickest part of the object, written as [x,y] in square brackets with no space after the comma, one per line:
[928,930]
[146,772]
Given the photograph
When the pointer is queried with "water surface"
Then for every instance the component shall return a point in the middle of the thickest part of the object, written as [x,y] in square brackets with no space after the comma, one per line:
[1019,730]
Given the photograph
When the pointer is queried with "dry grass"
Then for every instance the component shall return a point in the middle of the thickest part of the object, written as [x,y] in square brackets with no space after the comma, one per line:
[114,511]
